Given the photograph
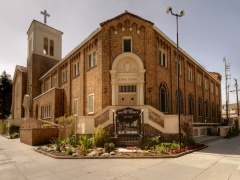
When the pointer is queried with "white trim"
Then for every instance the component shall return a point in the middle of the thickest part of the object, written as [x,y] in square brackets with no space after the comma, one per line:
[75,108]
[91,112]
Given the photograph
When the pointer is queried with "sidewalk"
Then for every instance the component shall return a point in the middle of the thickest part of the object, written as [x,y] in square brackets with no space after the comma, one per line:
[206,139]
[221,161]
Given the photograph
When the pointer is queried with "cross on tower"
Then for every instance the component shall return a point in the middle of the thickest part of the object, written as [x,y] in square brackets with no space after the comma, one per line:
[45,16]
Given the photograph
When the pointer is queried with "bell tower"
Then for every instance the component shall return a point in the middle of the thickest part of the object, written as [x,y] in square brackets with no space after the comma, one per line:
[44,40]
[44,51]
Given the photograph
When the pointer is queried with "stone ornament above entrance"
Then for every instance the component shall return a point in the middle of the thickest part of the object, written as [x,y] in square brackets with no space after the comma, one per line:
[127,71]
[128,67]
[127,62]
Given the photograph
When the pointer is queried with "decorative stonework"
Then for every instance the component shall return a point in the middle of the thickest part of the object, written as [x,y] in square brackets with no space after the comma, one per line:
[101,119]
[156,118]
[127,68]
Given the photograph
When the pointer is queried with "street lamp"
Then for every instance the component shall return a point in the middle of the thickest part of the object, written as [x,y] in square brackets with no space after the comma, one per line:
[181,13]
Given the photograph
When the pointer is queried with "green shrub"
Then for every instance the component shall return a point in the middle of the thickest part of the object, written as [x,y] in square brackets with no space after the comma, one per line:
[46,126]
[187,141]
[161,148]
[86,141]
[58,142]
[13,129]
[69,151]
[14,135]
[74,141]
[4,127]
[152,142]
[83,150]
[67,122]
[175,145]
[109,147]
[232,132]
[100,136]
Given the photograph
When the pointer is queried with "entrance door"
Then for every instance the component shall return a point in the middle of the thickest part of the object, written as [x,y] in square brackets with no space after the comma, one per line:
[128,121]
[127,95]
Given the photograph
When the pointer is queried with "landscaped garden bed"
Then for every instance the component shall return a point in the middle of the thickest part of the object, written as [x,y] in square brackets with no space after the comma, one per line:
[51,151]
[100,146]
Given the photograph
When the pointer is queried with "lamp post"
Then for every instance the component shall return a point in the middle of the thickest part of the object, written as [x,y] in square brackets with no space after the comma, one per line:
[181,13]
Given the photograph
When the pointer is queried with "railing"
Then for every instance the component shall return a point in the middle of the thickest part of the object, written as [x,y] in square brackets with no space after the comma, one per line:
[102,118]
[156,118]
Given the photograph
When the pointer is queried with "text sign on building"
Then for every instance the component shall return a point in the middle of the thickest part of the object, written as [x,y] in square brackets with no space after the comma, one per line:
[127,80]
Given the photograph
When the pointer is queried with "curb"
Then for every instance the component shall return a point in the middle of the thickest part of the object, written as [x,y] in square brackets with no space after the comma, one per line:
[120,157]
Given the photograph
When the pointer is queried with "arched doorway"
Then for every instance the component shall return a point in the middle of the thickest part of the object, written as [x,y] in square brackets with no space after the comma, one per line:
[127,79]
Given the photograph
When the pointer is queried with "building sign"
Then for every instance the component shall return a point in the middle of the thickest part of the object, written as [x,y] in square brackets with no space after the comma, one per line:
[128,80]
[128,112]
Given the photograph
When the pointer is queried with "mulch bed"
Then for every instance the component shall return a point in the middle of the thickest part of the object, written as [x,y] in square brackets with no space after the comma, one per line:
[119,155]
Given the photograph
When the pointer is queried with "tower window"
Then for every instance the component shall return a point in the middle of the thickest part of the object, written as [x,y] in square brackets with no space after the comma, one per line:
[51,48]
[45,46]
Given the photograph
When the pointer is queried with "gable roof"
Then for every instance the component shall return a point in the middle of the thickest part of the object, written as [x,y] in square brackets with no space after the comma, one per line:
[42,24]
[126,12]
[20,69]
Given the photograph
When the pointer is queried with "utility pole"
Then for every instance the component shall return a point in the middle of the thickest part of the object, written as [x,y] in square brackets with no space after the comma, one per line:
[227,76]
[236,85]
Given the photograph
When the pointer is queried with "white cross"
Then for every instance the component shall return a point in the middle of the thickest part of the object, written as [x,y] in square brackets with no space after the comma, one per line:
[45,16]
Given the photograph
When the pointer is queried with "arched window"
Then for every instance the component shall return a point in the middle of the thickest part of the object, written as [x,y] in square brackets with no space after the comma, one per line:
[45,46]
[217,109]
[200,107]
[36,111]
[206,109]
[179,100]
[190,105]
[51,48]
[163,101]
[213,110]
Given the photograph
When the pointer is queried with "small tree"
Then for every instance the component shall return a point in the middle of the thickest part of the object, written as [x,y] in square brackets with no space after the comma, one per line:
[67,123]
[5,95]
[100,136]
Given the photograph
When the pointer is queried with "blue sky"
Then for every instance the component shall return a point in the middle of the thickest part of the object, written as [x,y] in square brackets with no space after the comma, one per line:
[209,31]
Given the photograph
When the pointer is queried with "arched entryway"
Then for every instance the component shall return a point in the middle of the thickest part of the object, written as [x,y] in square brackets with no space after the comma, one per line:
[127,79]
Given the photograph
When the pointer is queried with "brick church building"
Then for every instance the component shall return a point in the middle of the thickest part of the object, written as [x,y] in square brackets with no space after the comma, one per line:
[126,64]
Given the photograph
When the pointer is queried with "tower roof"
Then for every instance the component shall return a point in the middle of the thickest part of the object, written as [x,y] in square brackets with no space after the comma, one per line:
[35,21]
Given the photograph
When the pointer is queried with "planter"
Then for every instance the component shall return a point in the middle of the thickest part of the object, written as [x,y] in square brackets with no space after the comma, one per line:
[38,136]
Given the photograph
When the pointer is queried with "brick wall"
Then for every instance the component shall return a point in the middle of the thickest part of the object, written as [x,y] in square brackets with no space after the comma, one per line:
[146,42]
[38,136]
[37,66]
